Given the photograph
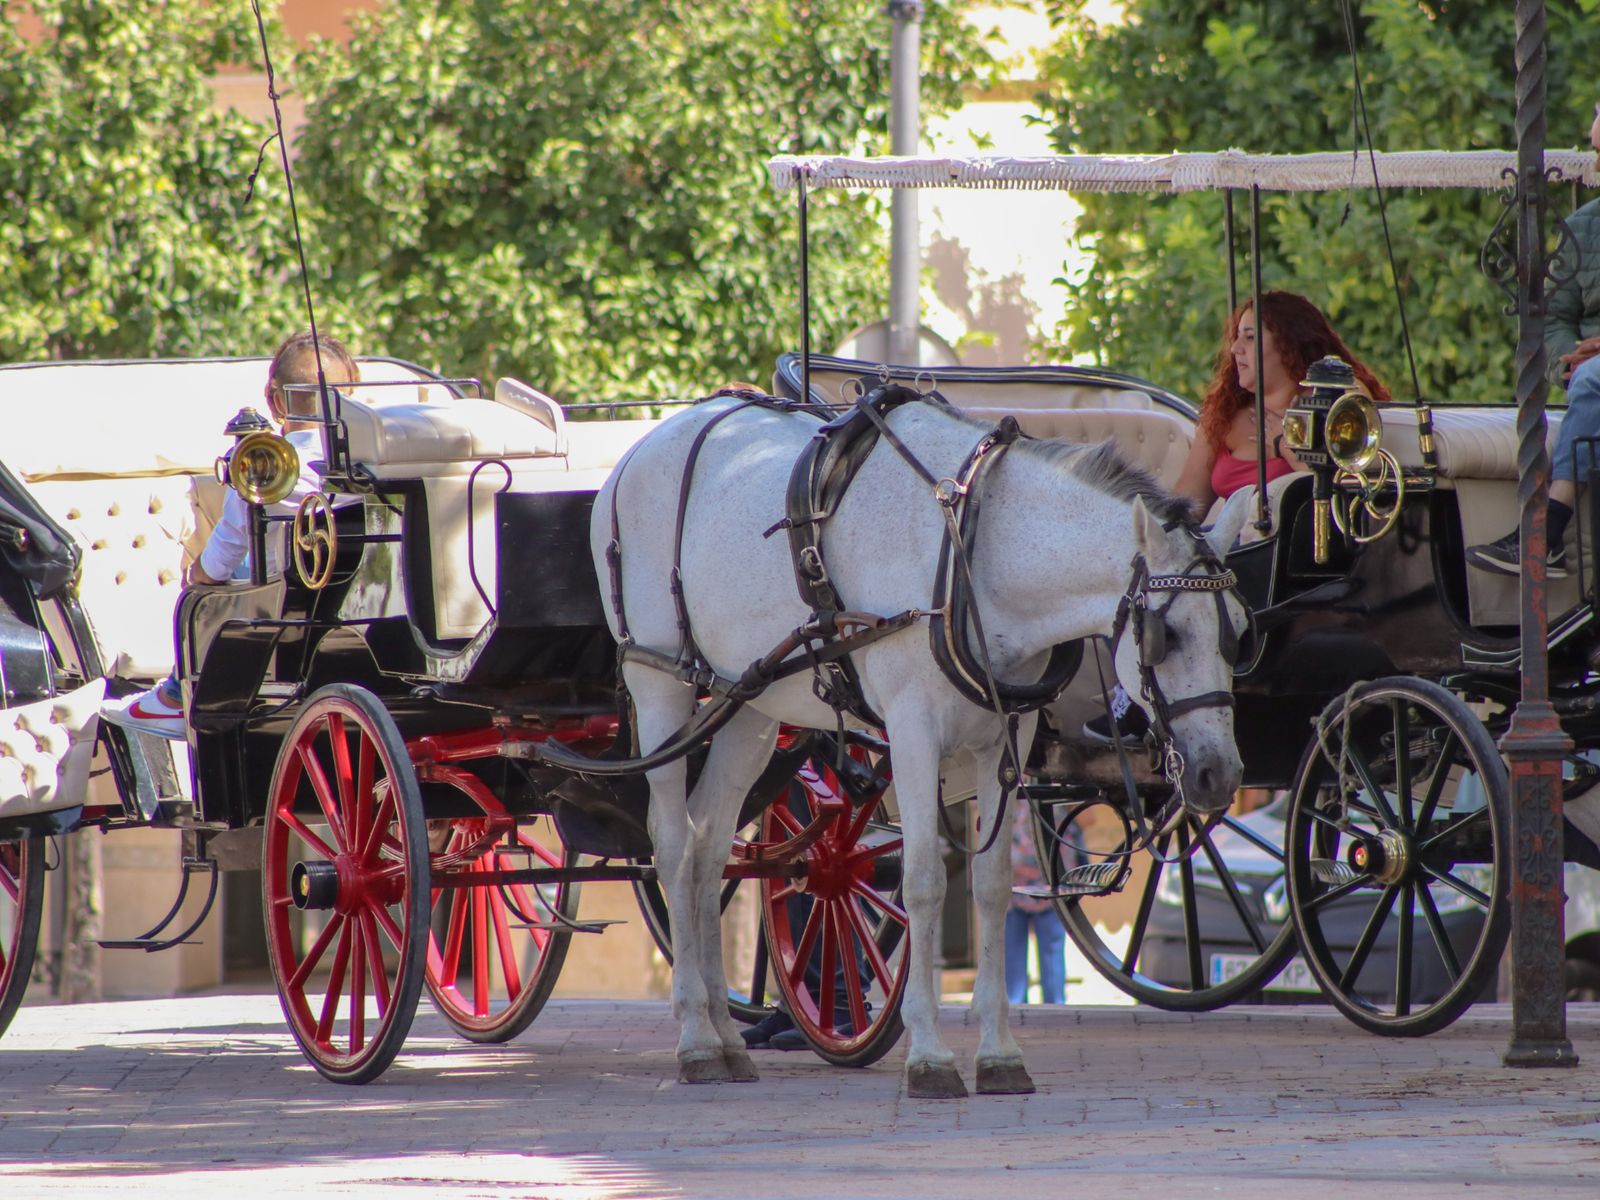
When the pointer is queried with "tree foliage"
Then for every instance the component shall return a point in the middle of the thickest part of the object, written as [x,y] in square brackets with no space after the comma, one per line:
[123,227]
[575,190]
[1272,76]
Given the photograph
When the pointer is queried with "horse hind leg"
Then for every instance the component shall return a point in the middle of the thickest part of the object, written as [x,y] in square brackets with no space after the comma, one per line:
[738,755]
[661,705]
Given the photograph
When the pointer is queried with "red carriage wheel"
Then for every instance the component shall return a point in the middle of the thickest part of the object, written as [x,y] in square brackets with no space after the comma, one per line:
[345,873]
[495,950]
[21,902]
[837,934]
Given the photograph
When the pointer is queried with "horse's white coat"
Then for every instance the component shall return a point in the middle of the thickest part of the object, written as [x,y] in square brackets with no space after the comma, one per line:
[1052,558]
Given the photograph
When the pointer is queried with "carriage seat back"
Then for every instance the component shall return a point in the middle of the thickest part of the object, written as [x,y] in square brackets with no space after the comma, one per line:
[1470,443]
[392,439]
[45,750]
[1149,438]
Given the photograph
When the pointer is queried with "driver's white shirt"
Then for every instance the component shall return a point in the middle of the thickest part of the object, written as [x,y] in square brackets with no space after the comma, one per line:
[229,544]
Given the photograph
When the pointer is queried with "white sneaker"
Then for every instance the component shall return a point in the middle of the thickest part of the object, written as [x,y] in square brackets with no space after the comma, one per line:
[145,712]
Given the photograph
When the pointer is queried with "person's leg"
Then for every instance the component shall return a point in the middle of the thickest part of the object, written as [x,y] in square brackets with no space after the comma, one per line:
[1051,936]
[1016,956]
[159,710]
[1569,466]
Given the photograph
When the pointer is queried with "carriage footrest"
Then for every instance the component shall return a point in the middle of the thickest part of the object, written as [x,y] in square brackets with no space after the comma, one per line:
[1090,879]
[1332,871]
[152,940]
[571,926]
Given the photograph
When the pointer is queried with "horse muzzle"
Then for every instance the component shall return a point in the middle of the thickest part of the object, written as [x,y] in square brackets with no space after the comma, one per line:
[1209,778]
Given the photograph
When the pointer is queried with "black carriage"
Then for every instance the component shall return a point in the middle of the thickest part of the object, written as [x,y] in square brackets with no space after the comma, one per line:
[1380,673]
[367,722]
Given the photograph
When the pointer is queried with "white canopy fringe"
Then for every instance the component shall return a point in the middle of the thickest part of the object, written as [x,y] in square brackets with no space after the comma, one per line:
[1324,172]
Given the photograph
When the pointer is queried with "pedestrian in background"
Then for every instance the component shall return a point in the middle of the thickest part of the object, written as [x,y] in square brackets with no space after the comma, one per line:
[1039,915]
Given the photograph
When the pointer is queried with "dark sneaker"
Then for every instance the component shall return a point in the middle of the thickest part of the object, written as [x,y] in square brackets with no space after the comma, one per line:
[1504,557]
[793,1039]
[759,1036]
[1132,725]
[145,712]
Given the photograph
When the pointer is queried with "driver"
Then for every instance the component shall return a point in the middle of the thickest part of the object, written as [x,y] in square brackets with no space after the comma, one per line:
[159,710]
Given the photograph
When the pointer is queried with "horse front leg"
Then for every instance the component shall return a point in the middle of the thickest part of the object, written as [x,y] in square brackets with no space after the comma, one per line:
[999,1063]
[930,1066]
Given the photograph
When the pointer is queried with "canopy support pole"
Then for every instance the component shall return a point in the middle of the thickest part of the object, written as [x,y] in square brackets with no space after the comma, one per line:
[1535,743]
[1263,513]
[905,134]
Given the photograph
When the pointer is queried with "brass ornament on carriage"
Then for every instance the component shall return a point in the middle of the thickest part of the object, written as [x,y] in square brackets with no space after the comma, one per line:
[1337,431]
[262,466]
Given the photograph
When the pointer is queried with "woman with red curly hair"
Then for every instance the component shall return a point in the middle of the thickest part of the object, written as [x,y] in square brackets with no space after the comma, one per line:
[1294,335]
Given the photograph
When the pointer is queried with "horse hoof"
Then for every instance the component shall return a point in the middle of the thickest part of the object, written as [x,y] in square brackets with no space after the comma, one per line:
[711,1068]
[1004,1079]
[926,1081]
[740,1067]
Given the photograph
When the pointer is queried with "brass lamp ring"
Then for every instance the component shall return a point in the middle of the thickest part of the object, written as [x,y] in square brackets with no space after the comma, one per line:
[1366,497]
[316,541]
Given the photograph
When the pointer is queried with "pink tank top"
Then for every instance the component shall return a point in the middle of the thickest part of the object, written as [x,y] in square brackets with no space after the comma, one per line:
[1230,472]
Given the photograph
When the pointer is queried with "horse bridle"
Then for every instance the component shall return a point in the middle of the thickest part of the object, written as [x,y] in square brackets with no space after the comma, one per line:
[1148,625]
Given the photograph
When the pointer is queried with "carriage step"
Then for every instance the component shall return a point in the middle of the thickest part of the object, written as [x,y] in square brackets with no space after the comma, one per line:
[152,941]
[1332,871]
[1090,879]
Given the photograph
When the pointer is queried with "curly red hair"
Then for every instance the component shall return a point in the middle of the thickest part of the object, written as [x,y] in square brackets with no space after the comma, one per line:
[1301,334]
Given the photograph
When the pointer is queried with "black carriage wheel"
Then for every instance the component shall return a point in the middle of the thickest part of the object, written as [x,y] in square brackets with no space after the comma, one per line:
[21,904]
[345,876]
[1185,936]
[1398,881]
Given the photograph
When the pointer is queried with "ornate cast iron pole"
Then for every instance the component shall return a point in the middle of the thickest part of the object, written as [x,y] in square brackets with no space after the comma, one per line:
[1535,743]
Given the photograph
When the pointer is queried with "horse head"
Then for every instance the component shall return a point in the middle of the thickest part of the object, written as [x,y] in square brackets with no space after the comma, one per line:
[1175,642]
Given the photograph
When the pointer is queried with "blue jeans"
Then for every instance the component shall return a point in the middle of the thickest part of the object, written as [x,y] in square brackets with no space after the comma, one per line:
[1582,420]
[1052,938]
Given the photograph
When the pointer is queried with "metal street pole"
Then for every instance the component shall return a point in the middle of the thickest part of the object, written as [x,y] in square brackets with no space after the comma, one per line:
[1535,743]
[905,128]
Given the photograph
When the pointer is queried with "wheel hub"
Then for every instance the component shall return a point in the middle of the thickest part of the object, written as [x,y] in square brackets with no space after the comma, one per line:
[314,886]
[1387,857]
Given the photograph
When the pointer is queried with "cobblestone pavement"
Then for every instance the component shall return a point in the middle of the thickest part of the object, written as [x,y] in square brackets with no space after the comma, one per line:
[209,1095]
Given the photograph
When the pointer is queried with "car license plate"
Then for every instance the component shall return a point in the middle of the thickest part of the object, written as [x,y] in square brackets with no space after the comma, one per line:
[1296,977]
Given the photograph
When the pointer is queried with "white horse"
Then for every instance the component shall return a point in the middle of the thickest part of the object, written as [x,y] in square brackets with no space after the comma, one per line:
[1057,530]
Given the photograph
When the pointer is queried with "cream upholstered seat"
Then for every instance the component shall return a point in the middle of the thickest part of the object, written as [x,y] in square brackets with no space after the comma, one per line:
[1149,438]
[45,750]
[1469,443]
[388,438]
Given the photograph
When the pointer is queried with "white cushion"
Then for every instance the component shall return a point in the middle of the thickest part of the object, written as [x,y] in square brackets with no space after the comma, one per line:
[1470,443]
[45,750]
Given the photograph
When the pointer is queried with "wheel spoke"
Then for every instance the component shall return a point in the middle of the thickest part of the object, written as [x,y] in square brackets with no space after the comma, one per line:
[1452,828]
[510,974]
[380,975]
[1466,889]
[1441,776]
[1441,937]
[882,903]
[1368,939]
[1225,877]
[1402,760]
[361,821]
[313,956]
[869,946]
[1403,951]
[1380,798]
[1255,839]
[391,929]
[358,989]
[808,937]
[336,974]
[1335,893]
[850,964]
[454,930]
[827,977]
[1191,912]
[293,821]
[343,776]
[381,821]
[1141,918]
[320,788]
[480,950]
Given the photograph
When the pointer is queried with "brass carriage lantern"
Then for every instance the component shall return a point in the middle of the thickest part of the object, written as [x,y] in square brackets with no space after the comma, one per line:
[262,466]
[1333,429]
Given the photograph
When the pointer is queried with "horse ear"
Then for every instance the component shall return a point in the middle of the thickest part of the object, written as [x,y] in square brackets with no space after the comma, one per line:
[1225,530]
[1147,535]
